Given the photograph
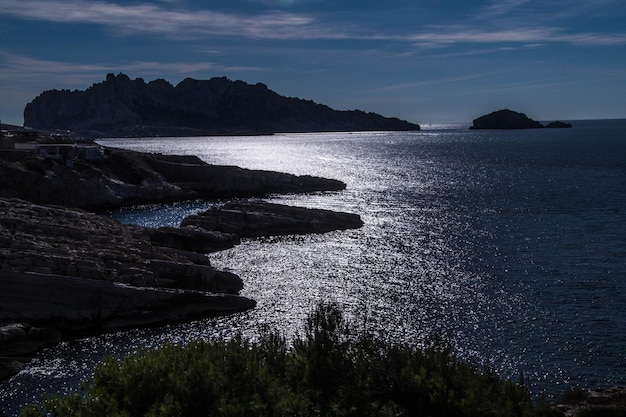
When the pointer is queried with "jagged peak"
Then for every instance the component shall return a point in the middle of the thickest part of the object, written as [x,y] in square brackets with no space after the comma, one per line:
[119,106]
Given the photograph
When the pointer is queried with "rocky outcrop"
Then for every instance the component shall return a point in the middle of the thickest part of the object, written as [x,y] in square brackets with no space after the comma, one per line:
[121,107]
[509,119]
[256,219]
[58,241]
[609,401]
[124,178]
[65,270]
[505,119]
[68,305]
[18,341]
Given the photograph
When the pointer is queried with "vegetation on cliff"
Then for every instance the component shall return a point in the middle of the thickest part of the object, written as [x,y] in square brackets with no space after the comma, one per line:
[332,370]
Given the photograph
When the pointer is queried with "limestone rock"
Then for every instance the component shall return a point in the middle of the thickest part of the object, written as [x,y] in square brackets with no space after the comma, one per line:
[125,178]
[71,304]
[59,241]
[255,219]
[120,107]
[64,270]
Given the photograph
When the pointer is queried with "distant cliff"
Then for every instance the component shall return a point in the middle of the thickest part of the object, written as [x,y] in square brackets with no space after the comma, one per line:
[120,106]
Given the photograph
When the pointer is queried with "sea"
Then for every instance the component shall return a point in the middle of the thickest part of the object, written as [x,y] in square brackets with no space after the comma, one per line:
[510,245]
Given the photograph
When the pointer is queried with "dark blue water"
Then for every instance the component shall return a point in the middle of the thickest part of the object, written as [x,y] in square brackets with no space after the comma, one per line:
[512,244]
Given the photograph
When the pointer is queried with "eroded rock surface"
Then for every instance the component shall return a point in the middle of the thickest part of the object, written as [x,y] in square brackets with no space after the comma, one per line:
[257,218]
[124,178]
[66,270]
[59,241]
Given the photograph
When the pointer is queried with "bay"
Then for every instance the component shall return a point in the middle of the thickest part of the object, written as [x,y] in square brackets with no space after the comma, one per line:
[510,244]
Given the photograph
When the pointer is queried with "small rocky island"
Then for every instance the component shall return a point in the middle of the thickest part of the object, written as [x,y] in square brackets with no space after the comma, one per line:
[64,269]
[121,107]
[509,119]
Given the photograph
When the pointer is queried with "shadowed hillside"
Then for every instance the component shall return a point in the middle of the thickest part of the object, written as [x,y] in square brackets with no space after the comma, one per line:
[123,107]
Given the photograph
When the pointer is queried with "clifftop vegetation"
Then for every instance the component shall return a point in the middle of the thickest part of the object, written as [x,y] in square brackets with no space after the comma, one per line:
[332,370]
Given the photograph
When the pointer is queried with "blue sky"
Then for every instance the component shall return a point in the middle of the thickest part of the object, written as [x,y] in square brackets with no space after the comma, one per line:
[426,61]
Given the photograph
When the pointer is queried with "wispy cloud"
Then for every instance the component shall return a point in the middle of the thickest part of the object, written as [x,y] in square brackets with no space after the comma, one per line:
[175,23]
[172,21]
[443,36]
[503,7]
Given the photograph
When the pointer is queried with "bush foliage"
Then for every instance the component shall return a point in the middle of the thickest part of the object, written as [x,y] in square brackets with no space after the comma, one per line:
[331,370]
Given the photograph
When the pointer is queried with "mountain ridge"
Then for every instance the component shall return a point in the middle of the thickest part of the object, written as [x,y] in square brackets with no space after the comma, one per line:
[119,106]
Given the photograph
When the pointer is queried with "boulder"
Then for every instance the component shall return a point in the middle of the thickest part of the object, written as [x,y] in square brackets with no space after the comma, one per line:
[257,218]
[505,119]
[18,341]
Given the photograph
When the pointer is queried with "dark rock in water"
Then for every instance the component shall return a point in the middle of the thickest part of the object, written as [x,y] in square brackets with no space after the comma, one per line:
[125,178]
[505,119]
[121,107]
[558,124]
[256,219]
[18,341]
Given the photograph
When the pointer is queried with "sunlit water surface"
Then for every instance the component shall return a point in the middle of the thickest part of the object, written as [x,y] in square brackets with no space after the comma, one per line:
[511,244]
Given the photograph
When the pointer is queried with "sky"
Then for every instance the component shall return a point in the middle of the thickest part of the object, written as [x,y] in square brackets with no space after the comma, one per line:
[426,61]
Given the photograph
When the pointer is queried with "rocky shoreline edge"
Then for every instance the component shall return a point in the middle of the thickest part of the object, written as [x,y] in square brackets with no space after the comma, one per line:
[66,271]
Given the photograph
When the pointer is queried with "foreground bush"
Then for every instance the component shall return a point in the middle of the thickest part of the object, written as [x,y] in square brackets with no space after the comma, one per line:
[329,371]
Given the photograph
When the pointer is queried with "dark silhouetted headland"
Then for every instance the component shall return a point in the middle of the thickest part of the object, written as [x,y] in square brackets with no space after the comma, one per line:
[121,107]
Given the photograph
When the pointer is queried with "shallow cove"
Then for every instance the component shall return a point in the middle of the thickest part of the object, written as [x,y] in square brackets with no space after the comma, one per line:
[509,243]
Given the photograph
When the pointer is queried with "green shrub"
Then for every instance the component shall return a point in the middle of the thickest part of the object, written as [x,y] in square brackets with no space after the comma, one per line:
[330,371]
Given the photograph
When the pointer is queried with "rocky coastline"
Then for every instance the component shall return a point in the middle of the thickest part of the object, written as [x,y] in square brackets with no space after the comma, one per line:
[122,178]
[65,270]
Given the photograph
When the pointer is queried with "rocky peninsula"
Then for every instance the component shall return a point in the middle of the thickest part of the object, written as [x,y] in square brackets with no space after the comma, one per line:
[259,218]
[121,107]
[121,178]
[509,119]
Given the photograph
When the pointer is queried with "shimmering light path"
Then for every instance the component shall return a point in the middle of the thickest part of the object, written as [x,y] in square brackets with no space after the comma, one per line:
[510,244]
